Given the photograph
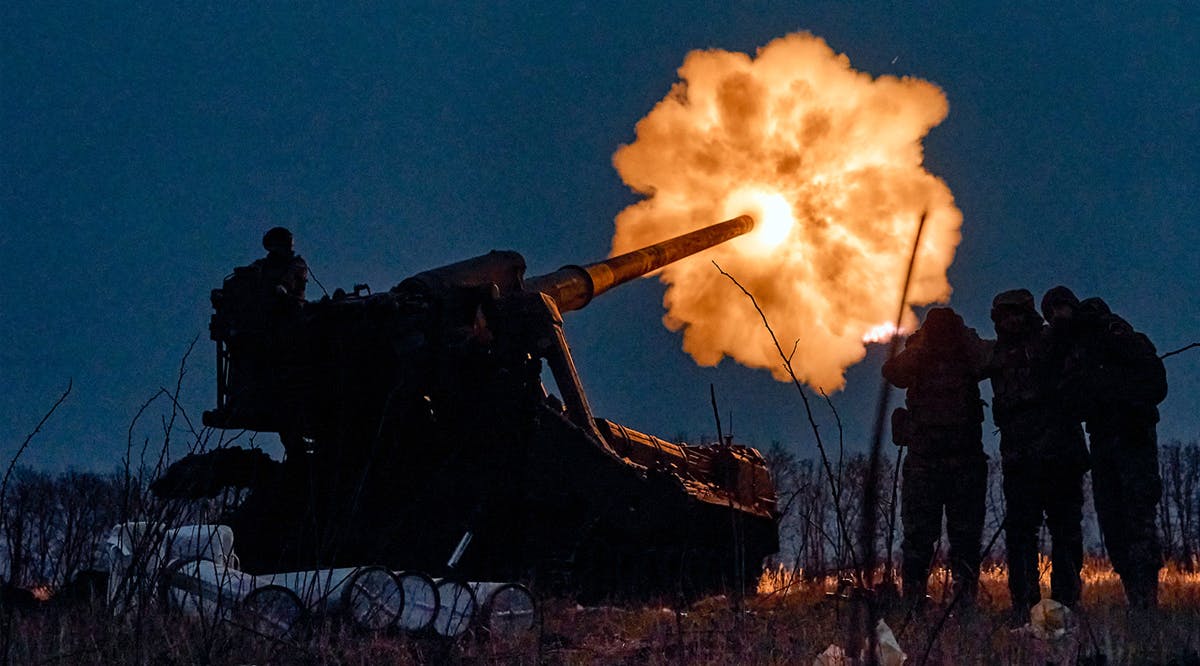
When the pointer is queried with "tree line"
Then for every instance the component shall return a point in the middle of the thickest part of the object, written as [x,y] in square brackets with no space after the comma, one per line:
[52,525]
[820,536]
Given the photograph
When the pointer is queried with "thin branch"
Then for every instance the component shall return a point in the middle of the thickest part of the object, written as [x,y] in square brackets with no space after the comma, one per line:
[6,624]
[29,438]
[837,418]
[1181,350]
[787,366]
[889,572]
[128,460]
[176,410]
[865,628]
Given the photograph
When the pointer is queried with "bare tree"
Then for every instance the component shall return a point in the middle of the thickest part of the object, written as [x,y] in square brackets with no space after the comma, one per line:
[1180,505]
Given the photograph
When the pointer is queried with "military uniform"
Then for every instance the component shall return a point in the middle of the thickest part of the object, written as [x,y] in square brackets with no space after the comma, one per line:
[1043,454]
[946,469]
[288,271]
[1115,380]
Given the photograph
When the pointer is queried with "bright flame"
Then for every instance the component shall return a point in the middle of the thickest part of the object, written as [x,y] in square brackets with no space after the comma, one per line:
[882,333]
[829,161]
[772,213]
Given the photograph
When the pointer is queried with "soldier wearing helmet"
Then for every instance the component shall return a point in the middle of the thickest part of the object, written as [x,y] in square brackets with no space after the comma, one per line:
[1113,379]
[254,312]
[946,469]
[1042,450]
[283,272]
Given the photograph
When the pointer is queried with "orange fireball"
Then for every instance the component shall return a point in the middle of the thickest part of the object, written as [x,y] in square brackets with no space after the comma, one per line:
[829,161]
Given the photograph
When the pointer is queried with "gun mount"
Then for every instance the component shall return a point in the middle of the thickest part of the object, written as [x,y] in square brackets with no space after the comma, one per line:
[414,416]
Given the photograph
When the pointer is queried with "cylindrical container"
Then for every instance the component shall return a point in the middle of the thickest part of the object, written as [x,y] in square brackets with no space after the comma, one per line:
[208,542]
[320,590]
[506,609]
[373,598]
[202,587]
[270,610]
[216,593]
[456,608]
[420,600]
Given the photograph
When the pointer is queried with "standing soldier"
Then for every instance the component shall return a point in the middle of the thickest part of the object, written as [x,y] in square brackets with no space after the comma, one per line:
[946,469]
[1115,380]
[1042,451]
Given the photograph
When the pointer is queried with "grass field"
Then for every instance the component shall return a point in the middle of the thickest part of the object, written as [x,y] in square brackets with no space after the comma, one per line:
[790,621]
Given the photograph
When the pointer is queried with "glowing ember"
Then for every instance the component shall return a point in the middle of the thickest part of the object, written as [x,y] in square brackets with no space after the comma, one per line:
[882,333]
[828,160]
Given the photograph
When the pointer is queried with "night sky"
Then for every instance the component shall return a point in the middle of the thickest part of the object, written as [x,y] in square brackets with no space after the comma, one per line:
[145,149]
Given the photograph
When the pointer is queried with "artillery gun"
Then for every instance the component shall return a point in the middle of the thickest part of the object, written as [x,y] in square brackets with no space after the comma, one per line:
[416,420]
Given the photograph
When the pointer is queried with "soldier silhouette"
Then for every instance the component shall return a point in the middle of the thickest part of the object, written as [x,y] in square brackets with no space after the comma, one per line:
[283,272]
[1113,379]
[1042,451]
[946,469]
[256,313]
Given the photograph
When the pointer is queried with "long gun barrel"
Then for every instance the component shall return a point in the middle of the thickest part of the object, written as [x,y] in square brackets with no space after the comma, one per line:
[573,287]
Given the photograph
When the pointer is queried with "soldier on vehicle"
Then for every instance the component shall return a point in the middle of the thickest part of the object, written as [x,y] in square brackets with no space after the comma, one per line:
[1114,379]
[946,469]
[283,272]
[1043,454]
[255,322]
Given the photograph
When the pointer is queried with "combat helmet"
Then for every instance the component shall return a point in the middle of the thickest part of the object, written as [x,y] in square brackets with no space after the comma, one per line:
[1016,301]
[277,239]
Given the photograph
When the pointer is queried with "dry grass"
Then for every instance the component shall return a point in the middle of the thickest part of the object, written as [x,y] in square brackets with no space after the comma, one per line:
[789,622]
[1178,587]
[792,630]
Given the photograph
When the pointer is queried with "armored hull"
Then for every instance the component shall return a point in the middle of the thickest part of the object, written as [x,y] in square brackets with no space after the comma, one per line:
[417,417]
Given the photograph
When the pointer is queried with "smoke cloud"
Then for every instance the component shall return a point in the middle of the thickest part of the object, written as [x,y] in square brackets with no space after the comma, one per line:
[829,161]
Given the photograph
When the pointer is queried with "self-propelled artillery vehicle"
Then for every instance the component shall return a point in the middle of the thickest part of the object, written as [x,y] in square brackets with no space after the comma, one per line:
[416,424]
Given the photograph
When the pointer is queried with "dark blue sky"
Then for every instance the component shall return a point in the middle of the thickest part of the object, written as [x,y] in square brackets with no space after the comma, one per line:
[145,149]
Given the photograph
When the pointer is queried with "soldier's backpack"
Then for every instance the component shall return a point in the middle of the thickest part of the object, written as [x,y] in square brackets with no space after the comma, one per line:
[1131,371]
